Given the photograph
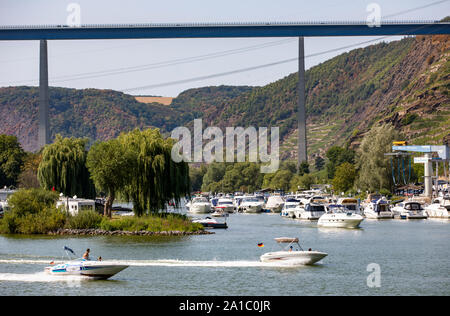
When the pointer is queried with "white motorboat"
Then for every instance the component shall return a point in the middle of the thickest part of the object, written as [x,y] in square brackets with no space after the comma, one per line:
[225,205]
[82,267]
[311,211]
[439,208]
[275,203]
[199,205]
[250,204]
[209,222]
[289,208]
[85,267]
[291,254]
[350,204]
[378,209]
[339,216]
[409,210]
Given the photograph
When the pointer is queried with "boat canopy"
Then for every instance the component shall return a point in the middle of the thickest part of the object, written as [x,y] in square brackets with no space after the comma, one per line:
[286,239]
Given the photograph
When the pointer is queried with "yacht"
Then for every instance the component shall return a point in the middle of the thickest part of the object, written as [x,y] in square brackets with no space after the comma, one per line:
[209,222]
[409,210]
[275,203]
[250,204]
[199,205]
[292,253]
[339,216]
[311,211]
[439,208]
[378,209]
[225,205]
[289,208]
[350,204]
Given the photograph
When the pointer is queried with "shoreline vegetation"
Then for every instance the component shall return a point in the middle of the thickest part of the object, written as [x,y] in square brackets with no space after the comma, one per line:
[34,211]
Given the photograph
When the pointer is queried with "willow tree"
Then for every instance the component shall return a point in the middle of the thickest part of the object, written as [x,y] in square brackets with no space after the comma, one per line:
[374,167]
[63,167]
[110,165]
[155,179]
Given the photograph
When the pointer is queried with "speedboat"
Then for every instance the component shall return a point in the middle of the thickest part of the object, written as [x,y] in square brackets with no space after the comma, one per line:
[199,205]
[88,268]
[250,204]
[209,222]
[440,208]
[409,210]
[289,208]
[378,209]
[275,203]
[311,211]
[338,216]
[291,254]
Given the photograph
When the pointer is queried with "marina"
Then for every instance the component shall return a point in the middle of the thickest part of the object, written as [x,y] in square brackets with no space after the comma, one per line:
[230,260]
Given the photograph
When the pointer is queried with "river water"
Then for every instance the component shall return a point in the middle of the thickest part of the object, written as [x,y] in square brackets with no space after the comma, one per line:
[412,257]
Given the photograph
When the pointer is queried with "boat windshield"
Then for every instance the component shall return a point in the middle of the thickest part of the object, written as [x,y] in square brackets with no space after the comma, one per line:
[225,202]
[413,206]
[250,199]
[200,200]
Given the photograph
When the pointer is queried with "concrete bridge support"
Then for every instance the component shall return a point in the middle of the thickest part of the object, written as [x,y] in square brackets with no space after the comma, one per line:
[301,115]
[44,130]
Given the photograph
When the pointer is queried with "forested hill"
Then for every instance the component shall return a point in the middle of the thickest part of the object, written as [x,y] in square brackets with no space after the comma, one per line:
[404,82]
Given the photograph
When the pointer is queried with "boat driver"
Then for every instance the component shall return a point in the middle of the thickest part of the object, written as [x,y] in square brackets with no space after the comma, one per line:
[86,254]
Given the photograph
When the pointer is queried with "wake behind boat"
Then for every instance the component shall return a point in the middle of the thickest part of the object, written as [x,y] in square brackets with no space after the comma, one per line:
[289,254]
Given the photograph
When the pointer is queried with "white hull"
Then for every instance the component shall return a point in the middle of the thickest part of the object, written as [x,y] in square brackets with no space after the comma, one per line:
[378,215]
[275,209]
[200,208]
[295,257]
[226,209]
[95,270]
[309,216]
[340,220]
[437,212]
[250,208]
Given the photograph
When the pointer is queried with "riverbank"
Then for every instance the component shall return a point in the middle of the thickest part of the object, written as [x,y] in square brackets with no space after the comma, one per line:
[101,232]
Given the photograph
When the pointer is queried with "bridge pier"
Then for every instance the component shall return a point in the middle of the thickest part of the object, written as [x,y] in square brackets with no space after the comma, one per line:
[301,116]
[44,130]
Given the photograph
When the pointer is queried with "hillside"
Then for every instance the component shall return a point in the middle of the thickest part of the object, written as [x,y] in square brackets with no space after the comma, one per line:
[404,82]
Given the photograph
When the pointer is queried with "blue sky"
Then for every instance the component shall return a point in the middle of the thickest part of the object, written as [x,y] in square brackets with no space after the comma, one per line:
[19,60]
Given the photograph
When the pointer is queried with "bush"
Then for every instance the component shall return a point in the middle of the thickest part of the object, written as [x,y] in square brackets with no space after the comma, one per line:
[42,222]
[84,220]
[32,201]
[32,211]
[154,223]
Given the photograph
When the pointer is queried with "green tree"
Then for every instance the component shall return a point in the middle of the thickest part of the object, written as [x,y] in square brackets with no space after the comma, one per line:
[110,167]
[63,167]
[374,168]
[344,177]
[302,182]
[155,179]
[12,158]
[213,176]
[196,175]
[319,163]
[303,168]
[336,156]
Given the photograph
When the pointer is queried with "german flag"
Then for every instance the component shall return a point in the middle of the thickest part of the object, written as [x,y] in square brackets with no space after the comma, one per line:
[261,245]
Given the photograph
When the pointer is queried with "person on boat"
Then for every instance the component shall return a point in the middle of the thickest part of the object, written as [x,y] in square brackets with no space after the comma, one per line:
[86,254]
[99,258]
